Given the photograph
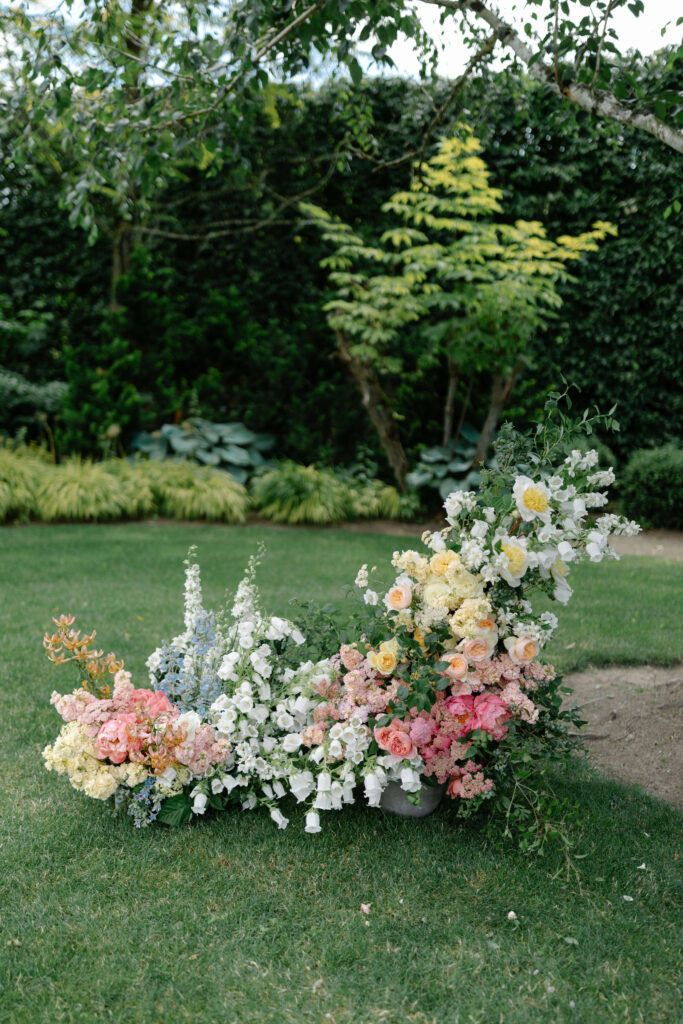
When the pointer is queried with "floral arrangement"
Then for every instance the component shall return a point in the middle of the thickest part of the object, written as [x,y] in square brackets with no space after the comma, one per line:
[441,681]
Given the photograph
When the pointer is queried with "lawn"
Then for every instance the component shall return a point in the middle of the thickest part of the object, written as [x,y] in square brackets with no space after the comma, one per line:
[233,921]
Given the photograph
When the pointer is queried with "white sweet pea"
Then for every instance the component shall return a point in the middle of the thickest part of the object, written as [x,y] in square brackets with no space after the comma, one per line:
[278,628]
[317,754]
[323,801]
[373,790]
[226,670]
[324,782]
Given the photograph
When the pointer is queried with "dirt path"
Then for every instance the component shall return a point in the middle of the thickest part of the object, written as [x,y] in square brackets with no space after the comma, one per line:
[634,717]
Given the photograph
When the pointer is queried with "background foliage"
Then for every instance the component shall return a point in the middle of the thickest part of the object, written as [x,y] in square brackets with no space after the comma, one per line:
[231,327]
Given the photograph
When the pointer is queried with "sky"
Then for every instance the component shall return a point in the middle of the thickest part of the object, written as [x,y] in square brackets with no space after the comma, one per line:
[642,33]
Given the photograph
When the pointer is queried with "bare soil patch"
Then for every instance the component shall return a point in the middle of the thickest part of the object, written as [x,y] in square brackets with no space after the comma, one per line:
[633,725]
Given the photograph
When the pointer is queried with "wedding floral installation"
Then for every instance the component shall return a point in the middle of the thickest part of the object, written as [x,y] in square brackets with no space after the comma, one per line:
[440,681]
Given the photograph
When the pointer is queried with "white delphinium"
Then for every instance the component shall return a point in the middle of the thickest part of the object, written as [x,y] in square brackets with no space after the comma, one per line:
[193,594]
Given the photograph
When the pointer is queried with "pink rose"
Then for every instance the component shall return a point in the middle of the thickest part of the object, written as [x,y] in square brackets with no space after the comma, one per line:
[399,744]
[521,649]
[455,788]
[113,741]
[382,734]
[491,714]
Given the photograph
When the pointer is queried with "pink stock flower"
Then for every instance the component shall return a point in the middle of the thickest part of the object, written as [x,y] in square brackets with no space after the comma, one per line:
[351,657]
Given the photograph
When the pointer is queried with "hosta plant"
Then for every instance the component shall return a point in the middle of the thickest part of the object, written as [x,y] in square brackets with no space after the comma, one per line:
[229,446]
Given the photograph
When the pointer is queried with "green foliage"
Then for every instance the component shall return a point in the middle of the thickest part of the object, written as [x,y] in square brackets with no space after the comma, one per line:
[18,481]
[136,484]
[23,402]
[186,491]
[652,487]
[229,446]
[448,468]
[376,500]
[82,491]
[302,494]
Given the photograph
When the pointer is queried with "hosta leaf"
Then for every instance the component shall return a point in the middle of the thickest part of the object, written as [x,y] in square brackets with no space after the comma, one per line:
[235,455]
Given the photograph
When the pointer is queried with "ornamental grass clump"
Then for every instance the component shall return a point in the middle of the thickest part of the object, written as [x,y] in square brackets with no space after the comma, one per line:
[302,494]
[185,491]
[18,481]
[83,491]
[375,500]
[135,481]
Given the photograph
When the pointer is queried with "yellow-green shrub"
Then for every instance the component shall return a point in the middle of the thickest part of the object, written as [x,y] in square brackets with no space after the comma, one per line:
[18,481]
[375,500]
[134,479]
[302,494]
[183,490]
[83,491]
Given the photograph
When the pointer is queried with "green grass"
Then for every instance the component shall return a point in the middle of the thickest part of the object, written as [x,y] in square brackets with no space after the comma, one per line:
[230,920]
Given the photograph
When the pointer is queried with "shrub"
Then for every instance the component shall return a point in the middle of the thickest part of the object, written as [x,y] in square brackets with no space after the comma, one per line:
[375,500]
[652,487]
[185,491]
[229,446]
[18,480]
[302,494]
[135,482]
[83,491]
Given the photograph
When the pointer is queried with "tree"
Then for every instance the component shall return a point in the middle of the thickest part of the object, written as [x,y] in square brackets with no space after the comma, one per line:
[488,285]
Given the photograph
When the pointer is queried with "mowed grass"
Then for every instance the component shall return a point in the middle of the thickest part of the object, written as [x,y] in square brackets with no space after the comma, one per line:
[230,920]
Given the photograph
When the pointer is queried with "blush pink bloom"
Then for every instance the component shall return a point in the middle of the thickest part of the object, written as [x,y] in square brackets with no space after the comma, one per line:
[462,710]
[421,731]
[491,714]
[521,649]
[457,665]
[477,648]
[153,702]
[114,741]
[351,657]
[399,597]
[399,744]
[382,734]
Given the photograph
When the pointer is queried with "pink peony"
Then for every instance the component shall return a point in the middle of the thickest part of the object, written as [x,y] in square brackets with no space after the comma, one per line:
[421,731]
[114,741]
[491,714]
[152,702]
[462,710]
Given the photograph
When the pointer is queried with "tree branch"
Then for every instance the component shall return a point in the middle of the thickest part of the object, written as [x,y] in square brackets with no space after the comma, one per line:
[599,103]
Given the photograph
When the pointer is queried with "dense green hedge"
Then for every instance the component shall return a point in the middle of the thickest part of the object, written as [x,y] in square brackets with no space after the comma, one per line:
[233,329]
[652,487]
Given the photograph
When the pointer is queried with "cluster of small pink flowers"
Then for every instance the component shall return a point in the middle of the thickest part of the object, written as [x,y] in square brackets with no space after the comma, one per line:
[142,726]
[468,781]
[501,670]
[364,691]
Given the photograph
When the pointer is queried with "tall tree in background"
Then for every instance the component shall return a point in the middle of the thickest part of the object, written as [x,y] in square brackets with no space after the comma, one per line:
[490,285]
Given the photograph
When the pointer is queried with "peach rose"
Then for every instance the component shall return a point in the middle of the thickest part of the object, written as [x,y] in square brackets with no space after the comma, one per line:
[382,734]
[491,713]
[399,597]
[153,702]
[399,744]
[521,649]
[457,666]
[477,648]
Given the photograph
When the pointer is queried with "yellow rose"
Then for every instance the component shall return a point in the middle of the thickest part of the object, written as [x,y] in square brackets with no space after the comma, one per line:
[438,595]
[385,658]
[466,585]
[442,561]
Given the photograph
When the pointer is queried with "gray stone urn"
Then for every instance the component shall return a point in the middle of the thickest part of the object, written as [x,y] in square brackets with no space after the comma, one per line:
[395,800]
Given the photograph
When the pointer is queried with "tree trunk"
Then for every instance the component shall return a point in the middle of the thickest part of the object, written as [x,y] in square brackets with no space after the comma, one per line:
[463,412]
[501,389]
[378,409]
[449,406]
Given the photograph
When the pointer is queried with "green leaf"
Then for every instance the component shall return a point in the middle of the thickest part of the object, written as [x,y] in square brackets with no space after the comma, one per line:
[177,810]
